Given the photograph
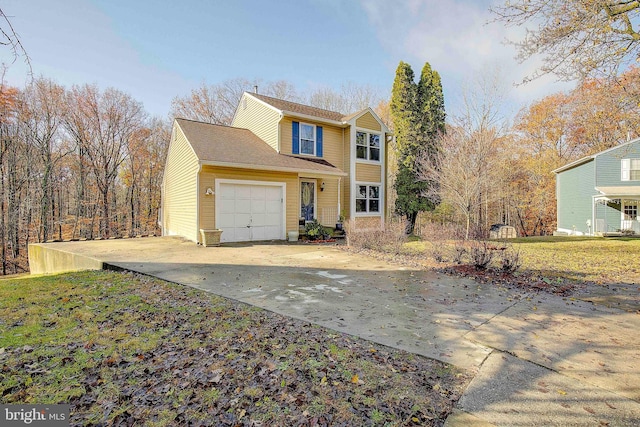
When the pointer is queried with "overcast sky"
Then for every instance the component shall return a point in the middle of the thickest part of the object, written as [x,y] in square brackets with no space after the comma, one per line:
[155,50]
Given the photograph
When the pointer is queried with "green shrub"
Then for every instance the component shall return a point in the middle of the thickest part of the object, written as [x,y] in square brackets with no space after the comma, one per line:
[314,230]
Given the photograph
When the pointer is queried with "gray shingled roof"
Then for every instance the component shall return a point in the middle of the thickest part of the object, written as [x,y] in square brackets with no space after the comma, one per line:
[242,148]
[294,107]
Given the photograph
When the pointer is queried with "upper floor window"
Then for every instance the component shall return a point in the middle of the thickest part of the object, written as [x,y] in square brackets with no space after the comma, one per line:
[630,170]
[368,198]
[307,139]
[368,146]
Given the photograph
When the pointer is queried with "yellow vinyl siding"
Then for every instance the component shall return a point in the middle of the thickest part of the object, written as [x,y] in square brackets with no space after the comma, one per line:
[367,121]
[328,200]
[332,145]
[209,174]
[331,140]
[367,173]
[180,198]
[259,119]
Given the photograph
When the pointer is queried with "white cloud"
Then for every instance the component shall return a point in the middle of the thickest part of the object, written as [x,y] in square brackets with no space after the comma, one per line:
[459,40]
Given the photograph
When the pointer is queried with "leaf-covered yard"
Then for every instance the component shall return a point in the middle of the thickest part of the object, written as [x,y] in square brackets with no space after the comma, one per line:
[125,349]
[557,265]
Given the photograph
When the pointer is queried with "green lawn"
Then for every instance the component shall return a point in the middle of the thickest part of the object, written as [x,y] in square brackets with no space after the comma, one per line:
[600,260]
[128,349]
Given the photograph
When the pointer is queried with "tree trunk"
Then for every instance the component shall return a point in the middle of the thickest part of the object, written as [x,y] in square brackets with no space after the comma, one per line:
[104,232]
[411,222]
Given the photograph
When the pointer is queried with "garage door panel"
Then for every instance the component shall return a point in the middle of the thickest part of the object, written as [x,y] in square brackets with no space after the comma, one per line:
[226,220]
[258,234]
[258,220]
[271,232]
[259,206]
[273,207]
[243,192]
[227,207]
[258,192]
[242,220]
[242,205]
[273,193]
[227,192]
[272,219]
[241,234]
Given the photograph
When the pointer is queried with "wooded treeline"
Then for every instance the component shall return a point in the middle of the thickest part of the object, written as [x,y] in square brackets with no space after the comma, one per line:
[83,162]
[494,172]
[75,163]
[87,163]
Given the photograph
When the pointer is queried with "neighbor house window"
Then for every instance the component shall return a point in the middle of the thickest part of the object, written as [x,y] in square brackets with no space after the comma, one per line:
[307,139]
[368,146]
[368,198]
[630,169]
[630,211]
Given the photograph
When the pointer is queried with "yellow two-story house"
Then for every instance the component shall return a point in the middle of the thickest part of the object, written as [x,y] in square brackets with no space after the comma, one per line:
[280,165]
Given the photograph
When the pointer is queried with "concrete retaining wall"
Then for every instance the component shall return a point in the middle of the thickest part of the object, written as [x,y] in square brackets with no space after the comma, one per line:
[45,259]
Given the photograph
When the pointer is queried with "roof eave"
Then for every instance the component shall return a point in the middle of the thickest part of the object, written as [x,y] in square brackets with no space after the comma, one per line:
[337,172]
[573,164]
[315,118]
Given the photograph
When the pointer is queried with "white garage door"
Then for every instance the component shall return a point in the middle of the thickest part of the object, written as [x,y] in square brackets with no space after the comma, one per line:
[249,212]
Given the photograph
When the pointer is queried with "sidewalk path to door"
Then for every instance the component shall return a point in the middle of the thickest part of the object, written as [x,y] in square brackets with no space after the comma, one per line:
[537,359]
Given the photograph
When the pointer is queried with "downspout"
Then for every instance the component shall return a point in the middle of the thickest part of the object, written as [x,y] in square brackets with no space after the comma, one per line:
[593,213]
[198,202]
[593,216]
[339,185]
[279,133]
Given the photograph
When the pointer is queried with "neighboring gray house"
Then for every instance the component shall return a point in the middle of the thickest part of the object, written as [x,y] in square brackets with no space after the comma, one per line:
[600,193]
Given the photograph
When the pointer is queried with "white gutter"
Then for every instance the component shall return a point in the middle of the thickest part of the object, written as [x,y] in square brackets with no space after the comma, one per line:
[316,118]
[271,168]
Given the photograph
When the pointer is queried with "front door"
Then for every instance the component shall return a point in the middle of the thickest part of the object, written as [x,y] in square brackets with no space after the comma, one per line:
[307,200]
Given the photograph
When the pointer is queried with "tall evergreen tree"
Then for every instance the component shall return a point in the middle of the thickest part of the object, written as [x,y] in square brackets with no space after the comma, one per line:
[417,110]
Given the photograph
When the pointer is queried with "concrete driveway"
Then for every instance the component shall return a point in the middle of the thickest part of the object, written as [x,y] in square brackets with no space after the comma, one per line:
[537,359]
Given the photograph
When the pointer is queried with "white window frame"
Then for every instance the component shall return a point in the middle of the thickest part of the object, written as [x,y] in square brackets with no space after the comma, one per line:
[627,169]
[369,147]
[629,208]
[367,198]
[315,139]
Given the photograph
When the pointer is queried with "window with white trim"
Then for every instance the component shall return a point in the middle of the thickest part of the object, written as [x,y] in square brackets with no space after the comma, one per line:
[630,210]
[630,170]
[307,139]
[368,146]
[368,198]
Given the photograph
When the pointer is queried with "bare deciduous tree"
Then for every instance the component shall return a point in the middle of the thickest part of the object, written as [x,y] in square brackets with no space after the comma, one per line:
[467,166]
[577,38]
[103,123]
[350,99]
[9,38]
[41,115]
[217,103]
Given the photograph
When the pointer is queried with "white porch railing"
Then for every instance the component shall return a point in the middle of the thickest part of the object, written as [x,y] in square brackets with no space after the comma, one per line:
[329,216]
[628,224]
